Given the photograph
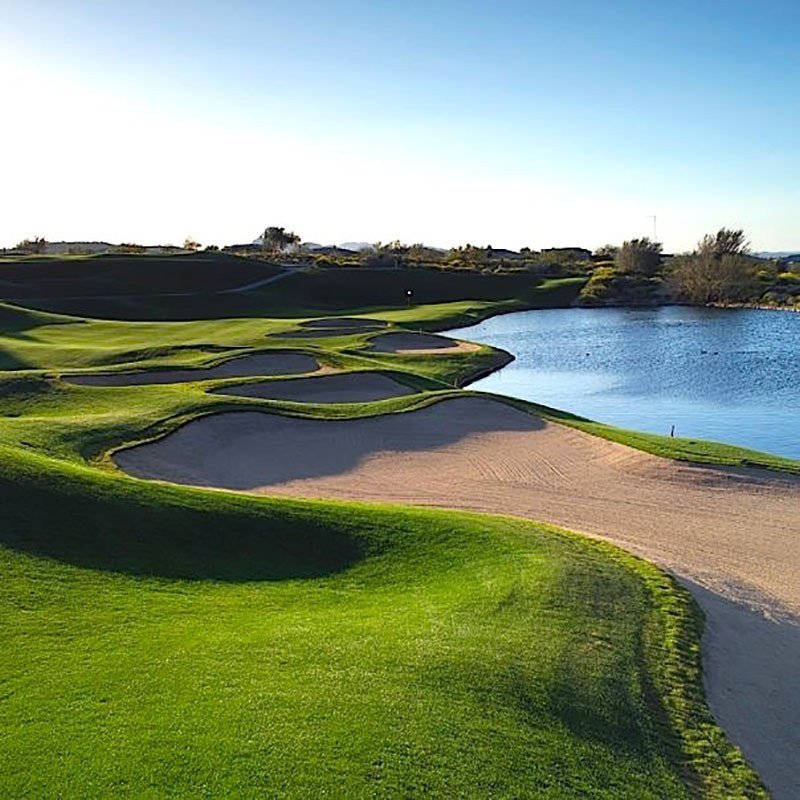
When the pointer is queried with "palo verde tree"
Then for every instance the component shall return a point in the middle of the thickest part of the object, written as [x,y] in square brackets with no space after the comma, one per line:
[719,270]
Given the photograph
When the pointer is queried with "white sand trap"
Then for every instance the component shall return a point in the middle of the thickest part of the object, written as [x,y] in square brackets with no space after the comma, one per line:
[406,343]
[319,333]
[351,323]
[347,387]
[276,363]
[732,536]
[333,326]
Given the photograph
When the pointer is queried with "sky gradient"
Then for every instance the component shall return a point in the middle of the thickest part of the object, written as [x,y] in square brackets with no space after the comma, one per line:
[510,123]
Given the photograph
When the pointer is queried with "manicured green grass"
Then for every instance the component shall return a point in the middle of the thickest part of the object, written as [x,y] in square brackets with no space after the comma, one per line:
[163,641]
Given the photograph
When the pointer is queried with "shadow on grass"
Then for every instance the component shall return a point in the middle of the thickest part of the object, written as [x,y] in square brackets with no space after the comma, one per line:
[117,525]
[10,361]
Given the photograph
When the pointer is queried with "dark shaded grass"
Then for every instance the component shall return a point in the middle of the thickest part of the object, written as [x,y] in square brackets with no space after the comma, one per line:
[319,292]
[49,279]
[102,522]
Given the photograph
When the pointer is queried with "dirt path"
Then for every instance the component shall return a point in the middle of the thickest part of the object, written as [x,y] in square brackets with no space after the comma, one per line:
[732,536]
[248,287]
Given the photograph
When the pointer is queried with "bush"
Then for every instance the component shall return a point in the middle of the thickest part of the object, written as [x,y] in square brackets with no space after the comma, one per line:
[639,256]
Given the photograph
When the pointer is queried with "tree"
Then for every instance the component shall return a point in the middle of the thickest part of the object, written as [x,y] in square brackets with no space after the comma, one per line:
[607,252]
[718,271]
[277,239]
[35,246]
[639,256]
[190,244]
[729,241]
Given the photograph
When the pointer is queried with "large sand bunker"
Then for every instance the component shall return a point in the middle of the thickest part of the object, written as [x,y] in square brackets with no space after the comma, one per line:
[409,343]
[733,536]
[274,363]
[347,387]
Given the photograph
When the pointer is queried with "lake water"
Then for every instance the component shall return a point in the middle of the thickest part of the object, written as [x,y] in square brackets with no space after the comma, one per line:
[730,375]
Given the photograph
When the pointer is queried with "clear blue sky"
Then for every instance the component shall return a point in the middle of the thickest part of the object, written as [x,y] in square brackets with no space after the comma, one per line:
[507,123]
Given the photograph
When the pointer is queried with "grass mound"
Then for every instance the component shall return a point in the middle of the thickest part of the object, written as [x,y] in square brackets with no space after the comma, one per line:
[179,642]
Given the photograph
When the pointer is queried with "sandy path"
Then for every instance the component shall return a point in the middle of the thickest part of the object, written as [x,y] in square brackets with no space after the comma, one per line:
[732,536]
[242,367]
[419,344]
[347,387]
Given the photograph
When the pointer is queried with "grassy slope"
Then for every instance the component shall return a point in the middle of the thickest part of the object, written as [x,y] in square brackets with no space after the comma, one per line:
[187,287]
[52,279]
[169,641]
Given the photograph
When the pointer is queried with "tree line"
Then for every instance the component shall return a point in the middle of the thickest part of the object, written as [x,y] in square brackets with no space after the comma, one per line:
[719,269]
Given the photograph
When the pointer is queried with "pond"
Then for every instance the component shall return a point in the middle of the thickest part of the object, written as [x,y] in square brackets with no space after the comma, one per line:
[729,375]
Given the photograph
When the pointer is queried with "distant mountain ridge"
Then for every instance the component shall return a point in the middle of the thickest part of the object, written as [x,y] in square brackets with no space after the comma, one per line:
[791,254]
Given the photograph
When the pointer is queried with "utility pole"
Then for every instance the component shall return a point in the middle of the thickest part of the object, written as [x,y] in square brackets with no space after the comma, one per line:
[655,229]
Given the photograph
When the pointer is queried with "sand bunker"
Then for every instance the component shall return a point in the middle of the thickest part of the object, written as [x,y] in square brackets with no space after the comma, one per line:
[351,323]
[407,343]
[333,326]
[275,363]
[348,387]
[733,536]
[318,333]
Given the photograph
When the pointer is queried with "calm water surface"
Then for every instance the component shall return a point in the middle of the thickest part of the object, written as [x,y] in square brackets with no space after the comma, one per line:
[728,375]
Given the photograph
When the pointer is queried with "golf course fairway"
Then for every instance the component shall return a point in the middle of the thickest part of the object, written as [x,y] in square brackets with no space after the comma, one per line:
[161,640]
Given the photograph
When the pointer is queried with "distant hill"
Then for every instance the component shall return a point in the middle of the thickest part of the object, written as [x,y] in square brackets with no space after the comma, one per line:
[792,255]
[354,245]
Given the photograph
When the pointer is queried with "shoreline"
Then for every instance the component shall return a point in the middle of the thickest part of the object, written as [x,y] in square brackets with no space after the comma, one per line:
[754,307]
